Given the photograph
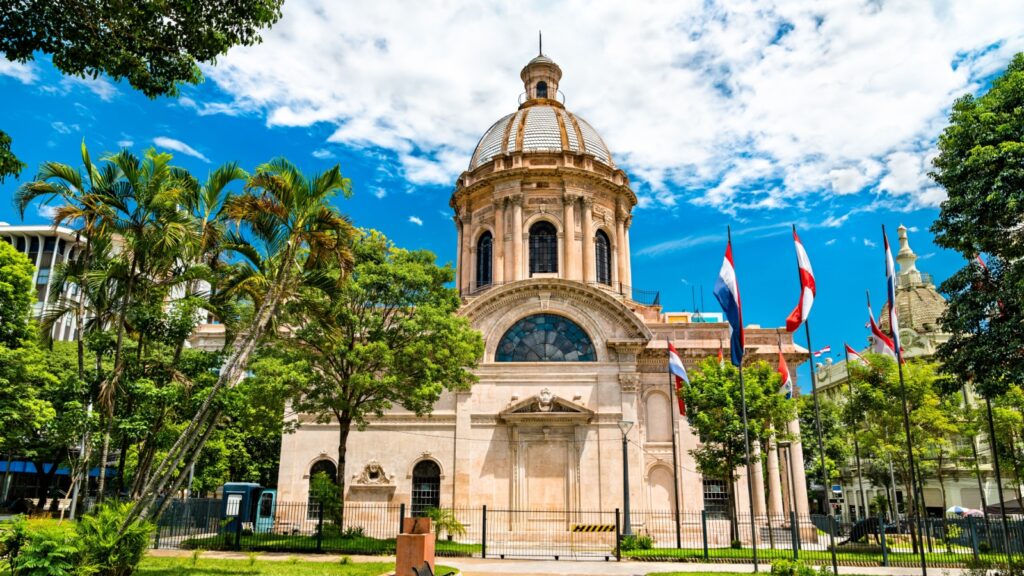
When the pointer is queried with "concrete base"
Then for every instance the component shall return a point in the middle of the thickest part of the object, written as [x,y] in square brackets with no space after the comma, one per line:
[414,546]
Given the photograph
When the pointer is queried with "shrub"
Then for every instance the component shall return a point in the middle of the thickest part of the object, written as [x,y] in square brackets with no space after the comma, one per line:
[736,544]
[636,542]
[115,551]
[352,532]
[444,519]
[794,568]
[51,551]
[12,539]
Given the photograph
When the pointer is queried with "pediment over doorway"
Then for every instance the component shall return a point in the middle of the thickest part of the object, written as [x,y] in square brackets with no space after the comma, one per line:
[547,409]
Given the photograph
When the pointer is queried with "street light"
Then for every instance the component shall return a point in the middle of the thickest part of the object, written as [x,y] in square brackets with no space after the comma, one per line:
[625,425]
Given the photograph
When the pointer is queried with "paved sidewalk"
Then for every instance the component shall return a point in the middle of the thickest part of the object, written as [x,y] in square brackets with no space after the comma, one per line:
[488,567]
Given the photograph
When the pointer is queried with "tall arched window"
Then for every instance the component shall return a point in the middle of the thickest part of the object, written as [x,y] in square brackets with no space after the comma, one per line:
[603,257]
[543,248]
[426,487]
[545,338]
[327,467]
[484,257]
[542,89]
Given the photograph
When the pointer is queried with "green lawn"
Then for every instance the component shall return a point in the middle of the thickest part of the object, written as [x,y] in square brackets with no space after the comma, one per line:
[334,544]
[868,557]
[218,567]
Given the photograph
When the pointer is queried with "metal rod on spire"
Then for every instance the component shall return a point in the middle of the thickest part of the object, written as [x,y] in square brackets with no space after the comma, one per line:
[540,43]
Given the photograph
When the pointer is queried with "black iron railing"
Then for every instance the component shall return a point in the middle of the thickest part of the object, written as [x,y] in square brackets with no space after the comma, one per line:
[645,297]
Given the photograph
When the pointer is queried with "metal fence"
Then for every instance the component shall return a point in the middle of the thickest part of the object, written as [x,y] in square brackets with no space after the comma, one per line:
[599,535]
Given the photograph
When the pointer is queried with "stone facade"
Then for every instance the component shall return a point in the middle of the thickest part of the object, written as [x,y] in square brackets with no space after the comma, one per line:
[543,241]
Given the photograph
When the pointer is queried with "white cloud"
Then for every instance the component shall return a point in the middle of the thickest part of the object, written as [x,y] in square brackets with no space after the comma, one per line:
[830,242]
[179,146]
[928,256]
[208,108]
[45,211]
[26,72]
[702,101]
[378,192]
[322,154]
[100,86]
[415,220]
[125,143]
[62,128]
[869,243]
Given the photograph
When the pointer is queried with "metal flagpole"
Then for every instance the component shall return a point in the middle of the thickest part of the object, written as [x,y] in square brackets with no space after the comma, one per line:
[993,447]
[675,457]
[977,472]
[856,443]
[746,446]
[821,448]
[906,425]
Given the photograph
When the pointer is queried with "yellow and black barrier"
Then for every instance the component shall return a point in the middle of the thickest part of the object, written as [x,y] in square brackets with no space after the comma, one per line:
[576,528]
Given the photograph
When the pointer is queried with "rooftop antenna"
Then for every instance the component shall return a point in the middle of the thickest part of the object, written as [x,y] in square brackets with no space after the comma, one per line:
[540,43]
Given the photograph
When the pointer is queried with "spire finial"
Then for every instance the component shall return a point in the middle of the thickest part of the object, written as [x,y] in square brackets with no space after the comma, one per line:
[540,43]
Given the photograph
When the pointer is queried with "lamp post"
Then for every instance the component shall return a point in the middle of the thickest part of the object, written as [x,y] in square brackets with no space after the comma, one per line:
[625,425]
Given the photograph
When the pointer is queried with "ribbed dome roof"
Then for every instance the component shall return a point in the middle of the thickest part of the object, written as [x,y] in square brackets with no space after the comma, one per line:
[540,128]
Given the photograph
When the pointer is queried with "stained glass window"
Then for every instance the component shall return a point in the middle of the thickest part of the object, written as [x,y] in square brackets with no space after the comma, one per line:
[543,248]
[545,338]
[484,253]
[602,249]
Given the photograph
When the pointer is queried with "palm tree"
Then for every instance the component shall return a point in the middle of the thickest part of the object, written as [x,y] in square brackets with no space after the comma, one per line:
[287,235]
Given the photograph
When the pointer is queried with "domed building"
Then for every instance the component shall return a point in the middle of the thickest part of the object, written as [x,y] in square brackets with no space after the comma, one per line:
[573,354]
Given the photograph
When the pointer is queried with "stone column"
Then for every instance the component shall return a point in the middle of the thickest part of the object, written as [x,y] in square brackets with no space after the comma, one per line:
[570,271]
[774,487]
[628,276]
[458,254]
[498,274]
[620,248]
[755,456]
[796,462]
[467,261]
[462,456]
[589,268]
[517,237]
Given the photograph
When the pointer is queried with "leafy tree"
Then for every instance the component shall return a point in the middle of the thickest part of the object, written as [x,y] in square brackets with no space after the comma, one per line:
[834,433]
[10,165]
[981,166]
[154,45]
[714,402]
[16,295]
[387,336]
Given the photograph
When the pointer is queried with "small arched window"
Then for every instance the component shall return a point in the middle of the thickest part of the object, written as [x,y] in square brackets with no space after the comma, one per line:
[545,338]
[484,258]
[542,89]
[426,487]
[603,257]
[543,248]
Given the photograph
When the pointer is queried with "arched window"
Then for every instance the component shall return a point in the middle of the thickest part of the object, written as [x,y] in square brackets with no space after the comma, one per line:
[543,248]
[484,257]
[426,487]
[327,467]
[603,257]
[542,89]
[545,338]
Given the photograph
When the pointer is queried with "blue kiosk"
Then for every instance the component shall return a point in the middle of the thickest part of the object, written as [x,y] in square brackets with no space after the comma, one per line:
[247,505]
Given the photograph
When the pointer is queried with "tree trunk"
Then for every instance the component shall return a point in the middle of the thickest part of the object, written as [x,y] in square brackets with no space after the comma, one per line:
[344,427]
[188,465]
[734,527]
[104,454]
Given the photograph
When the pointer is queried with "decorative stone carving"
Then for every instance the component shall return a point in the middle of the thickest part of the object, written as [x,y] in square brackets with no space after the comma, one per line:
[373,474]
[544,400]
[629,381]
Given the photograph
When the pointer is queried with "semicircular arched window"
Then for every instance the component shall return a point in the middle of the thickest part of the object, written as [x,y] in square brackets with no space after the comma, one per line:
[545,338]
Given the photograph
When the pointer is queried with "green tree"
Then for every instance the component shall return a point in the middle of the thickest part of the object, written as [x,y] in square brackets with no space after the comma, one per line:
[388,336]
[834,433]
[981,166]
[714,402]
[10,165]
[16,295]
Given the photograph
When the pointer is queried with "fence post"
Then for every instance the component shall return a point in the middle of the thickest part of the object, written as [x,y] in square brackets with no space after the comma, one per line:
[794,534]
[238,532]
[320,528]
[704,531]
[885,548]
[401,517]
[618,537]
[974,537]
[483,535]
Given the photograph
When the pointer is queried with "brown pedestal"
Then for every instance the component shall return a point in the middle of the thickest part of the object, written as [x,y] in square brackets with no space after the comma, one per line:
[415,545]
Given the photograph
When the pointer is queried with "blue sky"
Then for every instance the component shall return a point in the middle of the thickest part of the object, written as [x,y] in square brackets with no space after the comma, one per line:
[756,115]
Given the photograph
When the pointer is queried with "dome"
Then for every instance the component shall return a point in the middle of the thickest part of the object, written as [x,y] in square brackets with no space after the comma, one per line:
[540,128]
[542,124]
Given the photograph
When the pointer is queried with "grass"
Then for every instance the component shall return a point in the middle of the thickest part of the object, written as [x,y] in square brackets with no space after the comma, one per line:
[331,543]
[868,557]
[258,567]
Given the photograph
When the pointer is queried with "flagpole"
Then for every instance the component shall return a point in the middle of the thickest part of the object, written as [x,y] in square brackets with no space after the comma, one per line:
[977,471]
[675,457]
[906,415]
[746,446]
[821,448]
[856,443]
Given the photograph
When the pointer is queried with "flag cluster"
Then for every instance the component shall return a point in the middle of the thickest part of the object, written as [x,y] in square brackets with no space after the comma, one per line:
[678,371]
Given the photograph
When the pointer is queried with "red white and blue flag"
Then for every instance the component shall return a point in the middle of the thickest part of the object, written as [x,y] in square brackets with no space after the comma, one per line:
[890,282]
[807,289]
[882,344]
[825,350]
[852,354]
[727,292]
[786,388]
[676,368]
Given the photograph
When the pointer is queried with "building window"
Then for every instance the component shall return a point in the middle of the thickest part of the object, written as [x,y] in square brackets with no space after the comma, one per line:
[43,277]
[603,257]
[328,468]
[543,248]
[426,487]
[542,89]
[716,498]
[545,338]
[484,258]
